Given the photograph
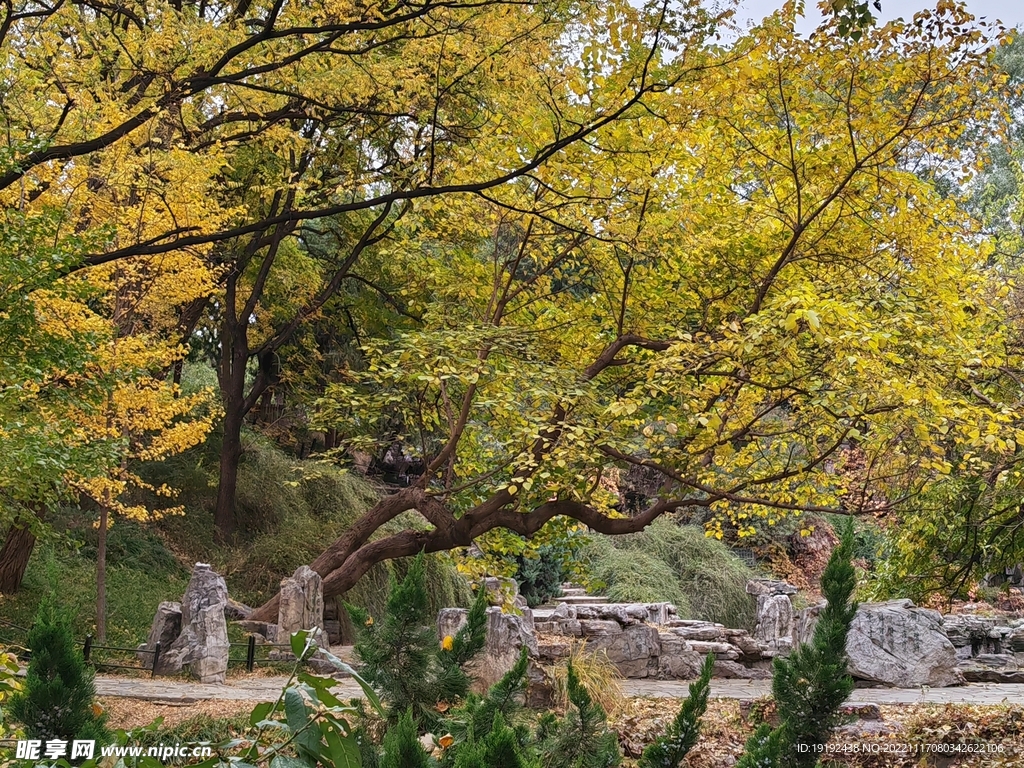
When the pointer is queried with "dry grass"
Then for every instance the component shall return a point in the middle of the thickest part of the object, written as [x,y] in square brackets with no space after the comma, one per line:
[595,672]
[135,713]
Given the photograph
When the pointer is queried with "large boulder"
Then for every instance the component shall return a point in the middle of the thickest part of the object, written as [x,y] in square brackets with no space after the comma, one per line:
[634,650]
[896,644]
[202,645]
[302,602]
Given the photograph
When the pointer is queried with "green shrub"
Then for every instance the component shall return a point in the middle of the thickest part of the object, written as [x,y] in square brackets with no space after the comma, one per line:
[402,657]
[631,576]
[540,578]
[810,686]
[582,739]
[669,750]
[57,701]
[401,747]
[678,564]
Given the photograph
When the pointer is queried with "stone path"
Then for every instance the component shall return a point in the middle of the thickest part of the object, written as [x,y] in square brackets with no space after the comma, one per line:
[258,689]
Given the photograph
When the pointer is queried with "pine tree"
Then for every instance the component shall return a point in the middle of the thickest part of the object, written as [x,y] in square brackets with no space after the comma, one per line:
[402,748]
[582,740]
[502,698]
[57,700]
[811,685]
[763,749]
[499,748]
[669,750]
[402,657]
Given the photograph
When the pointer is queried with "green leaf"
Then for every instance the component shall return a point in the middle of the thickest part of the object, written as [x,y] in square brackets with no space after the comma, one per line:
[260,712]
[341,666]
[284,761]
[343,750]
[298,642]
[298,714]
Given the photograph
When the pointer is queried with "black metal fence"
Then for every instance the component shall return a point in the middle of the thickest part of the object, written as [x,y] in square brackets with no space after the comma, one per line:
[16,636]
[252,654]
[88,647]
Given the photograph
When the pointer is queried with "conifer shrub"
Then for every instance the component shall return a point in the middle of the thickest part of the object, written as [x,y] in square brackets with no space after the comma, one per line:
[402,657]
[810,686]
[58,695]
[582,739]
[669,750]
[402,748]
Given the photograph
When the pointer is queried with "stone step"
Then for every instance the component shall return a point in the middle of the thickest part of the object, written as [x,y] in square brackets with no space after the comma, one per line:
[581,599]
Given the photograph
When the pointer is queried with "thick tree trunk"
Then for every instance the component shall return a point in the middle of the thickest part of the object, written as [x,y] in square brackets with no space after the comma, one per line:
[101,577]
[230,456]
[14,558]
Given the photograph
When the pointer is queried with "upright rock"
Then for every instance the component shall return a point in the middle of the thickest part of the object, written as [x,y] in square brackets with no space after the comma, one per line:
[165,630]
[896,644]
[302,602]
[507,635]
[203,642]
[774,614]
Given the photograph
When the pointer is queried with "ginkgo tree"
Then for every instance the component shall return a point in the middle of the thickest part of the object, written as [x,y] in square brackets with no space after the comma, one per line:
[47,368]
[220,130]
[746,286]
[145,417]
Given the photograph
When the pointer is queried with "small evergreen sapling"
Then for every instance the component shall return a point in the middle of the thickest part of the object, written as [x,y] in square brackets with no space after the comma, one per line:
[811,685]
[57,699]
[402,748]
[669,750]
[402,657]
[582,739]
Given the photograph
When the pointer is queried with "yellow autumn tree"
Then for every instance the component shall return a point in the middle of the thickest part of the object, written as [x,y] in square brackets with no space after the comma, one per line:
[145,417]
[751,281]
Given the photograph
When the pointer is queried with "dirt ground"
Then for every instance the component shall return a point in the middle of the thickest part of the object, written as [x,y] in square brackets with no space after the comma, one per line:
[905,736]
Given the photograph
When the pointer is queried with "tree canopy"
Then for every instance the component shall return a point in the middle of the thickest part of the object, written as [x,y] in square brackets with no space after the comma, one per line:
[524,247]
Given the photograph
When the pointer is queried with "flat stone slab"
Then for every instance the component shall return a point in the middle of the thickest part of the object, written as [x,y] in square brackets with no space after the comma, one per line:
[259,689]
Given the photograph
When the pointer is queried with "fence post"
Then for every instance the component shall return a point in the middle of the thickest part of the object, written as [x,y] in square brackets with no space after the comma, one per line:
[156,658]
[87,648]
[250,653]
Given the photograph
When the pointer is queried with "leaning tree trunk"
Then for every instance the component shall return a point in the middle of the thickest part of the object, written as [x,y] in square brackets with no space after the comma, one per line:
[14,558]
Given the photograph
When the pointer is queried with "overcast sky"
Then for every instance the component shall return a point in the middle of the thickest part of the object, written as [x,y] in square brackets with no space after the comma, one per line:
[1010,12]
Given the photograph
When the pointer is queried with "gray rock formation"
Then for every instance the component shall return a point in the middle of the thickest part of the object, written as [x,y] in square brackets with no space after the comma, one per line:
[896,644]
[507,635]
[733,670]
[804,622]
[775,622]
[634,649]
[165,630]
[992,668]
[678,660]
[302,602]
[203,642]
